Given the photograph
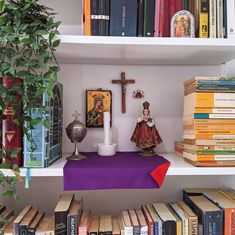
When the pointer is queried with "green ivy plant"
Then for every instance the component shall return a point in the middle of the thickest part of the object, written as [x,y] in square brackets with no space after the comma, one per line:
[28,38]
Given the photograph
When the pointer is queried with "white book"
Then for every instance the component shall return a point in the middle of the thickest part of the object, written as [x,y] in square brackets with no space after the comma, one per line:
[128,228]
[142,222]
[219,7]
[231,18]
[212,19]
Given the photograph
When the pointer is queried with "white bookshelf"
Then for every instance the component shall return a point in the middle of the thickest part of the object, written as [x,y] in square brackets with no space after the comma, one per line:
[75,49]
[178,167]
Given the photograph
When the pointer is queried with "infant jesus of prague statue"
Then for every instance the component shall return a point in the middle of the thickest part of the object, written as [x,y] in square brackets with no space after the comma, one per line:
[145,134]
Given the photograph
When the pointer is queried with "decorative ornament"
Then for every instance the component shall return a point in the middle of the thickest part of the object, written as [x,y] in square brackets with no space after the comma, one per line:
[182,24]
[138,94]
[76,132]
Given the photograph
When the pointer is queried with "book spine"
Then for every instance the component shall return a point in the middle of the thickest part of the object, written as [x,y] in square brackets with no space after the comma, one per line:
[87,17]
[214,115]
[156,228]
[186,5]
[172,8]
[136,230]
[231,20]
[140,18]
[143,230]
[107,16]
[161,17]
[169,228]
[157,17]
[222,132]
[203,19]
[60,223]
[214,223]
[212,19]
[167,20]
[214,110]
[23,230]
[72,224]
[149,18]
[12,133]
[215,88]
[220,19]
[201,157]
[102,17]
[94,18]
[215,100]
[123,18]
[193,226]
[217,82]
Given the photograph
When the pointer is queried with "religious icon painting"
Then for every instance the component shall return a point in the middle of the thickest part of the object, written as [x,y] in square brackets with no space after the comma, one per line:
[182,24]
[97,102]
[138,94]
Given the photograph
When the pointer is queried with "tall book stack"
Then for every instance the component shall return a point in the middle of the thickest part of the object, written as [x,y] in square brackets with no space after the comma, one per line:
[209,121]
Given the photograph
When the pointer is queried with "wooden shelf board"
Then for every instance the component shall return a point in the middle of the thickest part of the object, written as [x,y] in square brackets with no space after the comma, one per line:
[144,51]
[178,167]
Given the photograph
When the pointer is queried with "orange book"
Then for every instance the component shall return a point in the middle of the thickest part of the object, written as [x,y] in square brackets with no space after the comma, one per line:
[191,121]
[87,17]
[210,132]
[207,127]
[208,157]
[209,136]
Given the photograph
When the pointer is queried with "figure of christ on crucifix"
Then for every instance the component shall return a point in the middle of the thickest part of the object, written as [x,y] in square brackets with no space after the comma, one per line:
[123,82]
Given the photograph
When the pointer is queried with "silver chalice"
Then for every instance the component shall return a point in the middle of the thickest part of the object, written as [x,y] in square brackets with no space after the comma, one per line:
[76,132]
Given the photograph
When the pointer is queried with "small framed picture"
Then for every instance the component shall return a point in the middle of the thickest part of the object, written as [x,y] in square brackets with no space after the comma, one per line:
[183,25]
[97,101]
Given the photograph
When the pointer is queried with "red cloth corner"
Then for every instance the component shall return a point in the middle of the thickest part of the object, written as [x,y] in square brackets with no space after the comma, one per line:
[159,173]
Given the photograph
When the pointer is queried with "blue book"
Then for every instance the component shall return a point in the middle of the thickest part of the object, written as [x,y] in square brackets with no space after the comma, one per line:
[123,18]
[217,82]
[48,141]
[215,88]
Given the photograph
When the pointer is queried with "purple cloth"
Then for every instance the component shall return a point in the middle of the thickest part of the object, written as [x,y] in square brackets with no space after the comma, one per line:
[125,170]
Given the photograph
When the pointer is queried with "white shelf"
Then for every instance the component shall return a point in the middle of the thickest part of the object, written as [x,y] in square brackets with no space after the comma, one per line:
[178,167]
[144,51]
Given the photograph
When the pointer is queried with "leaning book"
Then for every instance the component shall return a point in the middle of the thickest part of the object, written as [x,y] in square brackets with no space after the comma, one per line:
[48,141]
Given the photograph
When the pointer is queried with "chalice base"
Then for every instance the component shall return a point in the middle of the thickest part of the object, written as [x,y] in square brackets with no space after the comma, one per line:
[77,156]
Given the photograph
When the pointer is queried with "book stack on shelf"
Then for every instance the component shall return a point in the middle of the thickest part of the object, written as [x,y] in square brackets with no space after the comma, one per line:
[152,18]
[201,211]
[208,122]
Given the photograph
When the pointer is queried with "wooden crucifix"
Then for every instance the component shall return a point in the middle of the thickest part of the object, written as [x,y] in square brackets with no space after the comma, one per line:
[123,82]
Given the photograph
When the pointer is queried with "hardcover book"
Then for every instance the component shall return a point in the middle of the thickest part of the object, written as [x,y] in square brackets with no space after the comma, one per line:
[149,18]
[48,141]
[94,225]
[115,225]
[210,216]
[61,212]
[123,18]
[12,133]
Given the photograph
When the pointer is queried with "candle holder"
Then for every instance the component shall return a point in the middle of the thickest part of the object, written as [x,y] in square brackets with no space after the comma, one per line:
[106,148]
[76,132]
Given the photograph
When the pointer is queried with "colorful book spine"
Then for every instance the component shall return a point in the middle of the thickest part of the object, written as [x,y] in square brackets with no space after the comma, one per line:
[215,88]
[123,18]
[209,137]
[161,17]
[149,18]
[11,132]
[209,148]
[157,18]
[87,17]
[217,82]
[208,157]
[214,115]
[215,110]
[204,19]
[167,20]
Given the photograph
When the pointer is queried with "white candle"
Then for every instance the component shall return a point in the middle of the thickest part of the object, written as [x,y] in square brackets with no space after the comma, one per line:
[106,128]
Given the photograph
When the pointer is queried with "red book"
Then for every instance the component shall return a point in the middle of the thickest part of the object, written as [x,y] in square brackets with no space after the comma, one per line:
[161,17]
[149,220]
[166,19]
[172,8]
[157,18]
[12,133]
[179,5]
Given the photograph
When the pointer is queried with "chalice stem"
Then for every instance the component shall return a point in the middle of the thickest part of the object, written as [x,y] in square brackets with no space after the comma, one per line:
[76,153]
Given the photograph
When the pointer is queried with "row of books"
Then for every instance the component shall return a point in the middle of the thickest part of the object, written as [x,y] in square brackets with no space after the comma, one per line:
[47,142]
[202,211]
[208,121]
[149,18]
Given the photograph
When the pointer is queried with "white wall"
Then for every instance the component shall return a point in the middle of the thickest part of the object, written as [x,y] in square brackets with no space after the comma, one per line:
[163,87]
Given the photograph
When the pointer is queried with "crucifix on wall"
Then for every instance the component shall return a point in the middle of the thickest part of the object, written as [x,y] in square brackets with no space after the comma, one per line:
[123,82]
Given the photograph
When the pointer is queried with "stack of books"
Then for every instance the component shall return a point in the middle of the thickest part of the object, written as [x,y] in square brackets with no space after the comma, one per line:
[209,121]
